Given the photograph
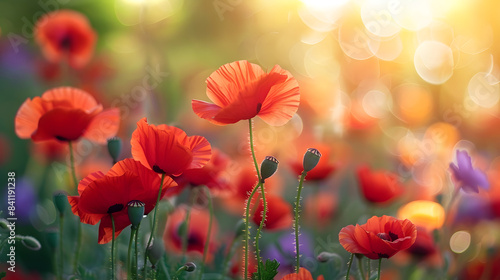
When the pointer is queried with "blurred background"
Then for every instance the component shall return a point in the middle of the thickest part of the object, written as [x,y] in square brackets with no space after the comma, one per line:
[397,85]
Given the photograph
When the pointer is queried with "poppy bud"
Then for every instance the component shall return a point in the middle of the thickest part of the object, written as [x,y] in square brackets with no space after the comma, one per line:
[268,167]
[190,266]
[311,159]
[135,212]
[155,251]
[114,148]
[31,243]
[326,256]
[4,224]
[60,201]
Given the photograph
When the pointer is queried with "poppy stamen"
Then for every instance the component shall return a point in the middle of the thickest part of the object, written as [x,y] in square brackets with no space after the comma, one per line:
[384,236]
[157,169]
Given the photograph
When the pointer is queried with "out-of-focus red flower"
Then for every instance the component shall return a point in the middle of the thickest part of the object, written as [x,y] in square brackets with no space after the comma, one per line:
[241,90]
[380,237]
[66,114]
[211,175]
[167,149]
[482,268]
[378,186]
[319,209]
[279,213]
[303,274]
[197,231]
[323,169]
[66,35]
[50,150]
[102,195]
[424,248]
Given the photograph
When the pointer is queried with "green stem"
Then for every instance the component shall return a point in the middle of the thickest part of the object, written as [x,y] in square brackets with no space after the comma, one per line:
[369,267]
[252,149]
[61,253]
[179,271]
[297,215]
[349,267]
[164,267]
[261,225]
[136,251]
[79,230]
[112,248]
[361,270]
[186,225]
[129,253]
[207,242]
[153,227]
[247,228]
[379,266]
[227,258]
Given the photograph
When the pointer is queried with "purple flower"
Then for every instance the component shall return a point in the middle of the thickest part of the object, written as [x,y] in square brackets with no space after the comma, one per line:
[469,179]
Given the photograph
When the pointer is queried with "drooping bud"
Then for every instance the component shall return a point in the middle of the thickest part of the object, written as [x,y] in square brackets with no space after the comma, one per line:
[326,256]
[31,243]
[60,201]
[155,251]
[135,212]
[114,148]
[4,224]
[311,159]
[268,167]
[190,266]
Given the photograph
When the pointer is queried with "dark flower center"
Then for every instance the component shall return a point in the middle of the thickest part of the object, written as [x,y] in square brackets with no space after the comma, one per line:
[388,236]
[60,138]
[65,43]
[157,169]
[115,208]
[259,106]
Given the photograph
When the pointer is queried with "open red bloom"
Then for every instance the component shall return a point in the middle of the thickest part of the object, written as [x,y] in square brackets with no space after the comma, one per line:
[303,274]
[197,232]
[211,175]
[279,213]
[66,35]
[380,237]
[242,90]
[102,195]
[378,186]
[66,114]
[167,149]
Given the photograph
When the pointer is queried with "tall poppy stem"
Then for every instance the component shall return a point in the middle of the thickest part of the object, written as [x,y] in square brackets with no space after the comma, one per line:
[379,266]
[153,227]
[262,190]
[136,251]
[361,270]
[112,248]
[247,229]
[129,253]
[297,216]
[261,225]
[349,267]
[227,258]
[207,242]
[79,230]
[61,254]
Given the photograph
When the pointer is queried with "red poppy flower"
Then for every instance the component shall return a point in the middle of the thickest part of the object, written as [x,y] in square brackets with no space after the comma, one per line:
[66,35]
[197,232]
[211,175]
[380,237]
[279,213]
[319,209]
[66,114]
[378,186]
[103,194]
[242,90]
[424,247]
[303,274]
[167,149]
[322,170]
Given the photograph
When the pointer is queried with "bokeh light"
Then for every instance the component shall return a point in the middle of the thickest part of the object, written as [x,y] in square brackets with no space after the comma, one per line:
[423,213]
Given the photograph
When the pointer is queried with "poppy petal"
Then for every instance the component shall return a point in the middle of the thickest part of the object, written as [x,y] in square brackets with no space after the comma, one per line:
[106,227]
[348,240]
[86,218]
[76,98]
[103,126]
[208,111]
[27,117]
[282,101]
[63,124]
[303,274]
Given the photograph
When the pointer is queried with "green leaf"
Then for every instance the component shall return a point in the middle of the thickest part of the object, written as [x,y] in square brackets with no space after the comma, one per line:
[266,271]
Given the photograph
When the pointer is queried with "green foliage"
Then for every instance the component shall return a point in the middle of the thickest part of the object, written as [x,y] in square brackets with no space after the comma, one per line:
[267,270]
